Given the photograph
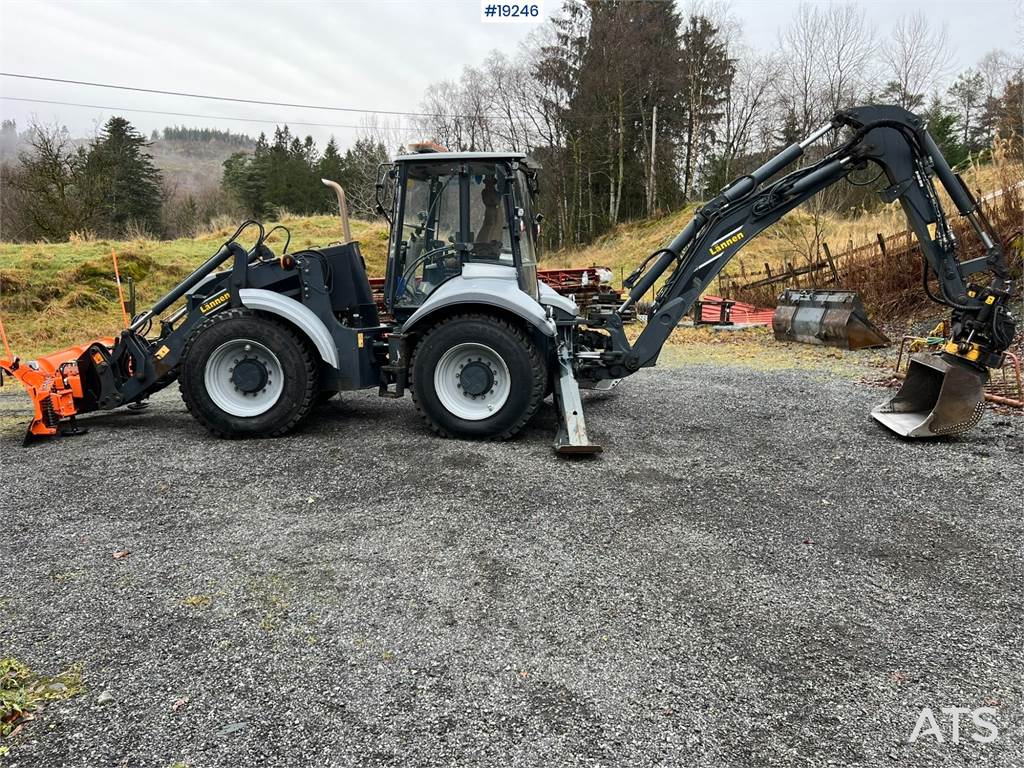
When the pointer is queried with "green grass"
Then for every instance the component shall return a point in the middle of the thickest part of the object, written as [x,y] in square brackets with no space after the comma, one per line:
[53,295]
[24,692]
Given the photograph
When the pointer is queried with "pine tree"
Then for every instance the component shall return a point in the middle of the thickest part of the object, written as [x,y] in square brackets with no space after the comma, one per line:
[360,176]
[331,165]
[943,127]
[245,181]
[119,167]
[708,72]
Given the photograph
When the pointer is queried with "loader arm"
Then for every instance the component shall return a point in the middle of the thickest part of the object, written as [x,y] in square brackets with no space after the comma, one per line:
[891,138]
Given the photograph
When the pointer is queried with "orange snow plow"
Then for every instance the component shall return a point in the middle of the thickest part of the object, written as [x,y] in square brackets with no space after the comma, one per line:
[53,384]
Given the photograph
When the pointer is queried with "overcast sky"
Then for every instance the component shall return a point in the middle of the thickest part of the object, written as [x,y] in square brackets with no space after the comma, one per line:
[378,54]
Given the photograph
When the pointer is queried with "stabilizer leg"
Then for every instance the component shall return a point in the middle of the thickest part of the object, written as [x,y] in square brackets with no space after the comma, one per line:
[572,435]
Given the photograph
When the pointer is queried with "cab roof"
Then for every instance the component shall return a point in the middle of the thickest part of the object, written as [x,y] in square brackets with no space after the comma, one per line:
[427,157]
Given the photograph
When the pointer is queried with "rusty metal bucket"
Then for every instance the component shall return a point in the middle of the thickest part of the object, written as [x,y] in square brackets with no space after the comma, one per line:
[938,397]
[832,318]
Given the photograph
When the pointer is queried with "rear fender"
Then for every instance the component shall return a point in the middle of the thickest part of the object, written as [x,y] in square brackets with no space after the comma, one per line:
[497,292]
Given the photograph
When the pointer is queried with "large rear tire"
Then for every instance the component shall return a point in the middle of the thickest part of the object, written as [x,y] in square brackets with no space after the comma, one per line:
[478,377]
[245,375]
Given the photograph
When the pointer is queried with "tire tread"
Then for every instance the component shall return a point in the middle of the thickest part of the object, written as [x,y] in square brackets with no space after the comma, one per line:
[538,370]
[308,399]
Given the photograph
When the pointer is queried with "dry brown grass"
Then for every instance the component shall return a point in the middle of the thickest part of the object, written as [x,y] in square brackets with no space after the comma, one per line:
[630,243]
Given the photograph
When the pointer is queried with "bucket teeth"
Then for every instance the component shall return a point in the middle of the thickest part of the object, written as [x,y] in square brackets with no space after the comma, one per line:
[939,397]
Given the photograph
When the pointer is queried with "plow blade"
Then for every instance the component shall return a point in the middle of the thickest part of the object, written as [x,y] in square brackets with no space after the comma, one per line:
[938,397]
[831,318]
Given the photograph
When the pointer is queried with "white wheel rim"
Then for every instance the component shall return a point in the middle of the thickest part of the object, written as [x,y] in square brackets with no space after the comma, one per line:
[455,398]
[222,388]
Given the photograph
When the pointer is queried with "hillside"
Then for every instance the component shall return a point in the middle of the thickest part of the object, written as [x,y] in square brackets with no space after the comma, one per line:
[193,165]
[189,159]
[56,294]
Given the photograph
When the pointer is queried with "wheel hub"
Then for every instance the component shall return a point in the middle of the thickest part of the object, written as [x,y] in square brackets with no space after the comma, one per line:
[244,377]
[250,375]
[476,378]
[472,381]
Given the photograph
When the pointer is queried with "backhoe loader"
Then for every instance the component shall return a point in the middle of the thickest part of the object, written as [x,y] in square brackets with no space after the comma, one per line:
[257,338]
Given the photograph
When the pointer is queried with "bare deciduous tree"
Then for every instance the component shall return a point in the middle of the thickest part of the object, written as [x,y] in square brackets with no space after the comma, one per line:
[917,59]
[798,87]
[848,54]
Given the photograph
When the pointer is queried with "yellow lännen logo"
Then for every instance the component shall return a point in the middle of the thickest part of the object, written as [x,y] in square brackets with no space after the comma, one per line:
[208,306]
[721,245]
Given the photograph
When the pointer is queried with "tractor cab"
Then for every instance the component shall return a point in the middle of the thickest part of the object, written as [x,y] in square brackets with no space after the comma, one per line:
[453,212]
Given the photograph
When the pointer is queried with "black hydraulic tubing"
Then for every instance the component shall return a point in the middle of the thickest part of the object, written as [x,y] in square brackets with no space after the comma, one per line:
[668,255]
[736,190]
[814,179]
[226,251]
[949,180]
[744,185]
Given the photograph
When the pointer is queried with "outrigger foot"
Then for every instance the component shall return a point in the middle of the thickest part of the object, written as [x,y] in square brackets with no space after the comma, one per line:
[572,435]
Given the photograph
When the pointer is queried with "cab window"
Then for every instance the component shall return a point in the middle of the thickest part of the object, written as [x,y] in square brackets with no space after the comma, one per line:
[430,231]
[488,219]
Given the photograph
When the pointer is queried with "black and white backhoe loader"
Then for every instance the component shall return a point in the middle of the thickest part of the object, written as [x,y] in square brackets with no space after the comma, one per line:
[257,338]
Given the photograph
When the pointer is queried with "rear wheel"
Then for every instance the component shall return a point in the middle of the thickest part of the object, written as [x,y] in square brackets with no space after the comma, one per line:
[477,376]
[247,376]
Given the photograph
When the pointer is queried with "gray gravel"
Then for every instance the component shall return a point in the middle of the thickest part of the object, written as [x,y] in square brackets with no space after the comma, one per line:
[753,574]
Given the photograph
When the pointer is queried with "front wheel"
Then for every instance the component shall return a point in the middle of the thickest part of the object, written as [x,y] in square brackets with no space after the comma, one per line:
[247,376]
[477,376]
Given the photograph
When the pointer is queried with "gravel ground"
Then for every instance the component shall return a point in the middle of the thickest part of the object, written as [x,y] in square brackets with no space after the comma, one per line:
[753,574]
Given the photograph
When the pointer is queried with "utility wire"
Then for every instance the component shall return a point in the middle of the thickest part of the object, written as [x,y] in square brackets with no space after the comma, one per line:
[232,98]
[238,100]
[194,115]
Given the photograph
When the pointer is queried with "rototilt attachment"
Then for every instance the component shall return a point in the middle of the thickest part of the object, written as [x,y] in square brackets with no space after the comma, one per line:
[832,318]
[939,397]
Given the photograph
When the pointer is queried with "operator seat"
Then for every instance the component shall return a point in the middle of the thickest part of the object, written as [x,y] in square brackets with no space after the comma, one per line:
[487,243]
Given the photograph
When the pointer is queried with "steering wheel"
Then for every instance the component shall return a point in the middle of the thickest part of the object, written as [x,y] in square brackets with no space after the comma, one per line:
[410,288]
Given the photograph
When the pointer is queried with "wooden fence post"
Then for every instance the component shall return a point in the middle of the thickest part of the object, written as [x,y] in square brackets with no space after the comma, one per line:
[831,263]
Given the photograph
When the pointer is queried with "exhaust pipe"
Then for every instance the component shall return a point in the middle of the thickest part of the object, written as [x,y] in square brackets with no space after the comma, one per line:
[939,397]
[346,229]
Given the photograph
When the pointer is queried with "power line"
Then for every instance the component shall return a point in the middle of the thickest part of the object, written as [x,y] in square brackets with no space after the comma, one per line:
[234,99]
[193,115]
[238,100]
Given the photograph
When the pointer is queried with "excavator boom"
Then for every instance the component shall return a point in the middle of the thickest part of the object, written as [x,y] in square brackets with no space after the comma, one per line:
[897,142]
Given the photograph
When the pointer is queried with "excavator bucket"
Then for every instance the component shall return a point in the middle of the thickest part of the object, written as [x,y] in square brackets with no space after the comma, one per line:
[831,318]
[938,397]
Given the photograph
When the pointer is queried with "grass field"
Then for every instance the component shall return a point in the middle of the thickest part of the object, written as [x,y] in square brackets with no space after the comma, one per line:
[56,294]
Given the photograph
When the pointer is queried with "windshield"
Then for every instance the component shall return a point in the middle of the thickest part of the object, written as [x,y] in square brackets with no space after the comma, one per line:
[436,239]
